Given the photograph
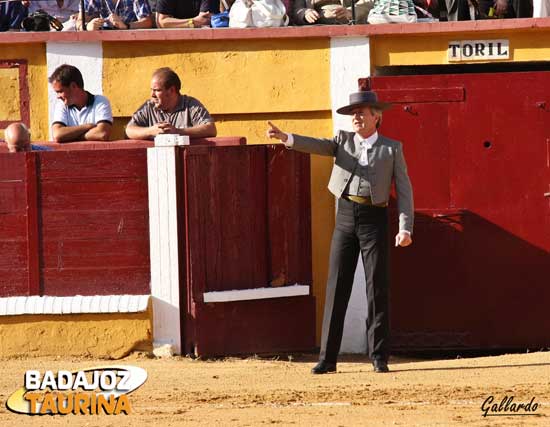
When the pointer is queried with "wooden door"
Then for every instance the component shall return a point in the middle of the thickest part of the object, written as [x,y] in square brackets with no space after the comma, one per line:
[479,167]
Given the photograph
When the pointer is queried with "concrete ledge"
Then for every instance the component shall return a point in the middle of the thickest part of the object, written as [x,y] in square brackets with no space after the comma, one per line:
[489,25]
[258,293]
[78,304]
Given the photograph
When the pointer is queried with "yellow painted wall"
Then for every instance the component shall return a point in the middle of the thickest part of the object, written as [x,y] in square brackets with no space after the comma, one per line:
[431,49]
[35,54]
[228,76]
[9,88]
[109,336]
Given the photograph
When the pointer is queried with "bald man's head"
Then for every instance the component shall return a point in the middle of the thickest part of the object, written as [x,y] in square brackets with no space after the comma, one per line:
[18,138]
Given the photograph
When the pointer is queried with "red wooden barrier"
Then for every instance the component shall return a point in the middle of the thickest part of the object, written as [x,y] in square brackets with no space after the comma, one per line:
[247,226]
[479,160]
[75,221]
[14,230]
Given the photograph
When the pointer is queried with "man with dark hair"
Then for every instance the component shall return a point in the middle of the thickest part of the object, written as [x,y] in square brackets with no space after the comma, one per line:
[183,14]
[18,139]
[170,112]
[78,115]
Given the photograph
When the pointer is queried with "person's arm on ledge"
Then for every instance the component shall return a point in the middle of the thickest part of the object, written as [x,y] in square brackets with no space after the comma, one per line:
[168,21]
[200,131]
[207,130]
[146,22]
[62,133]
[100,132]
[142,132]
[119,24]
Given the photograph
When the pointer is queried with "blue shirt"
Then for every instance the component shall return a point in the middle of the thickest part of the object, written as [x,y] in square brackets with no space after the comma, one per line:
[35,147]
[128,10]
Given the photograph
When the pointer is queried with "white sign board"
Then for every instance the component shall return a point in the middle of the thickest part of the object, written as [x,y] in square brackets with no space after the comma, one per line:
[478,50]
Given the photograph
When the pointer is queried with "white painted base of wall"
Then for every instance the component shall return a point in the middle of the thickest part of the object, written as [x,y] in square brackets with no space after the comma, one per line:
[77,304]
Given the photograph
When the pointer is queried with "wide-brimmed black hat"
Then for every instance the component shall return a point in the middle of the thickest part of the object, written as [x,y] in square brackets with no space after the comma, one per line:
[364,98]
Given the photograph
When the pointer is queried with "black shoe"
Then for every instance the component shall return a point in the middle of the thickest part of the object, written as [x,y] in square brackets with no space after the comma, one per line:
[380,365]
[323,368]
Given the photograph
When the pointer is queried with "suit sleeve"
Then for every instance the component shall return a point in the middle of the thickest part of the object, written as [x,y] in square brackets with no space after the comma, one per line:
[321,146]
[299,9]
[403,188]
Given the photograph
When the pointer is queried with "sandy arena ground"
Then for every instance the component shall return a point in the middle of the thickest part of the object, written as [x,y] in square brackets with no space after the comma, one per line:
[256,392]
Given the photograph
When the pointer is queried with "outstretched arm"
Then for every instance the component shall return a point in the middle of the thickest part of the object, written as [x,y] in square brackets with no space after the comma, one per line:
[274,132]
[305,144]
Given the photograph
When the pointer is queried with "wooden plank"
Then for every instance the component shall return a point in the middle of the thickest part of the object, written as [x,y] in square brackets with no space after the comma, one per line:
[13,282]
[195,194]
[13,227]
[91,253]
[97,281]
[123,194]
[12,166]
[235,229]
[13,254]
[116,225]
[108,164]
[12,196]
[33,236]
[413,95]
[289,223]
[262,326]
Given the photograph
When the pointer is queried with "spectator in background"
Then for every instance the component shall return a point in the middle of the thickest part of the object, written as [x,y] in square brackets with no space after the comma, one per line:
[11,15]
[223,5]
[78,114]
[183,14]
[541,8]
[119,15]
[458,10]
[329,11]
[170,112]
[215,6]
[506,8]
[65,11]
[18,139]
[426,9]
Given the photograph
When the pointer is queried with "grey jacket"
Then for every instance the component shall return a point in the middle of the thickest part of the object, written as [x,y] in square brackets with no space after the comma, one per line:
[386,163]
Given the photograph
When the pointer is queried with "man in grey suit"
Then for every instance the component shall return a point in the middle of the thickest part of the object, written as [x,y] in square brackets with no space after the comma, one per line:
[365,165]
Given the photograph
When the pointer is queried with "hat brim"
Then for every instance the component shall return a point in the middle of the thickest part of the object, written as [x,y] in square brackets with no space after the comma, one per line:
[347,110]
